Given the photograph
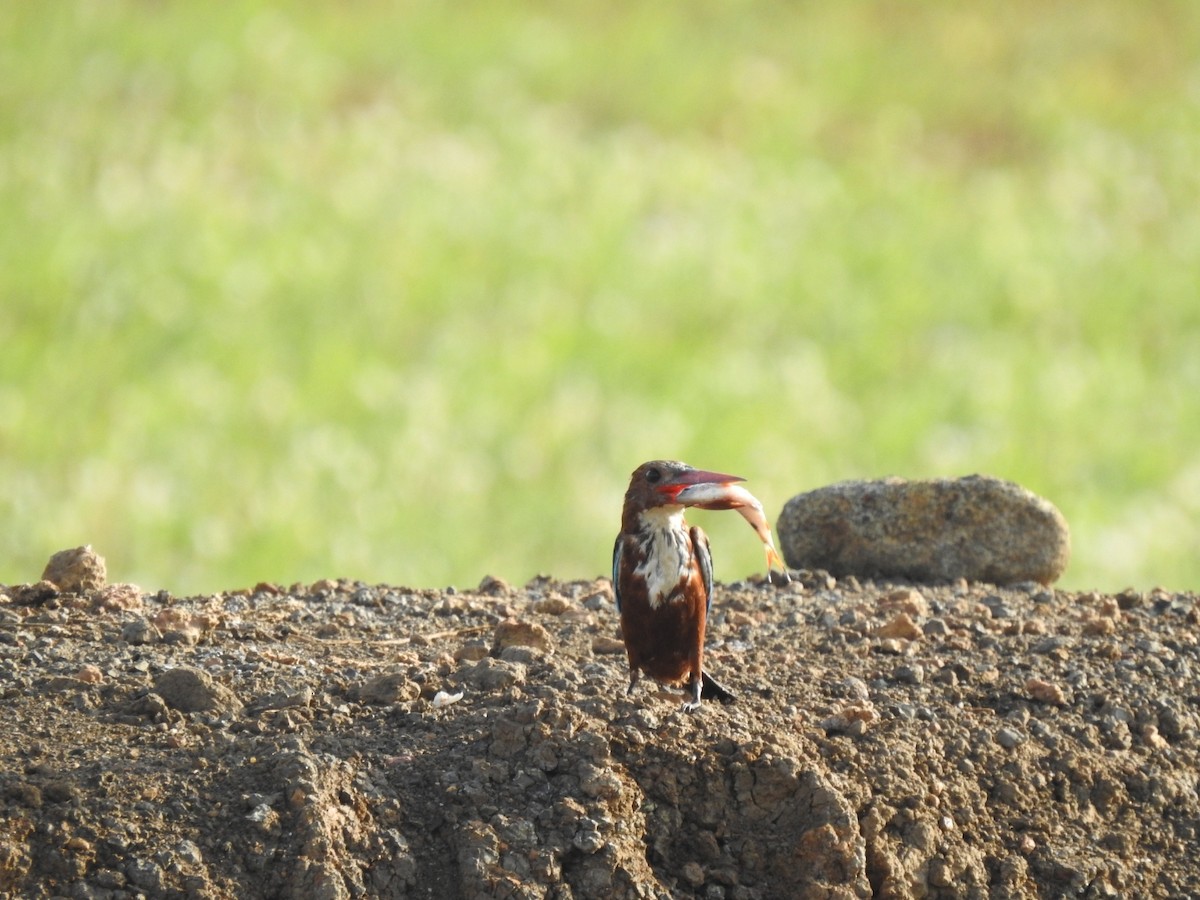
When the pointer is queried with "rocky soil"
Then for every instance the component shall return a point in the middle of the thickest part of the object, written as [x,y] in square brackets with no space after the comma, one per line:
[349,740]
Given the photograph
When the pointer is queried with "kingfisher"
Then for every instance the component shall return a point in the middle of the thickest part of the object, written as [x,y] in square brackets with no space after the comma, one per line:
[663,579]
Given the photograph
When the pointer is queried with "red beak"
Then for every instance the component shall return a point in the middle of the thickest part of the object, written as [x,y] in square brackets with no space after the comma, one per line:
[686,479]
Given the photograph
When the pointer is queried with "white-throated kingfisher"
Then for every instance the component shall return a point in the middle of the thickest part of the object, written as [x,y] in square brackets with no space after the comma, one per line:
[663,580]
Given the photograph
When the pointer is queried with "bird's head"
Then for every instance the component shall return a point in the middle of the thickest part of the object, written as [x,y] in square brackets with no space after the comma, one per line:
[661,481]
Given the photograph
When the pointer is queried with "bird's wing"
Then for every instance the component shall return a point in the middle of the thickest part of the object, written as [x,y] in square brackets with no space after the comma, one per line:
[704,558]
[616,573]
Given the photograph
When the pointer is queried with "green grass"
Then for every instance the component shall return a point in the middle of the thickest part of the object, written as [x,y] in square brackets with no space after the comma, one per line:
[403,292]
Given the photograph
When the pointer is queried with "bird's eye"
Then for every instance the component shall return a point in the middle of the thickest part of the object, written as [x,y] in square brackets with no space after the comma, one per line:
[654,476]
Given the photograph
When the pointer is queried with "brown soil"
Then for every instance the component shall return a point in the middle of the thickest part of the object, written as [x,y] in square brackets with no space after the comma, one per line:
[888,741]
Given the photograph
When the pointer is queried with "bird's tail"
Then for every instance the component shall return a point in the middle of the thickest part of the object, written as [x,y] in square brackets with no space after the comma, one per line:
[711,689]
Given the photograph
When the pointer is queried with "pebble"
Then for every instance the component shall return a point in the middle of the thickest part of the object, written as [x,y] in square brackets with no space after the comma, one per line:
[935,627]
[914,674]
[907,600]
[853,688]
[1009,738]
[900,626]
[1045,691]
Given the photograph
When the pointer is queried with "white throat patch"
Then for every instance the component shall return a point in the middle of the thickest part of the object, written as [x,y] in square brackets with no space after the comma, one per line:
[665,551]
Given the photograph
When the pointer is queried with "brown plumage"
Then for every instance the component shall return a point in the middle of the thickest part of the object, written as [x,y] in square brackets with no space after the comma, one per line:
[662,576]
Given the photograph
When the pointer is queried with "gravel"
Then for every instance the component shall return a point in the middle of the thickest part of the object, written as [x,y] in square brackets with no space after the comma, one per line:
[342,740]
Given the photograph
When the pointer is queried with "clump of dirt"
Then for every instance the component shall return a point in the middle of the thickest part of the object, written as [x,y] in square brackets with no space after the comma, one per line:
[345,740]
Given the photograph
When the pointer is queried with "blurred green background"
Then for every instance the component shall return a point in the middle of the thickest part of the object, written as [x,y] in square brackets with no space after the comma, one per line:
[403,292]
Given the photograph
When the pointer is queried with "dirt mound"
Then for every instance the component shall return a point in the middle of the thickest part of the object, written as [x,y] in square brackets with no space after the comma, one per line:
[345,740]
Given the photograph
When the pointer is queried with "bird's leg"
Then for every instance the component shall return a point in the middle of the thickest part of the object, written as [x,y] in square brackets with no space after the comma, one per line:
[633,678]
[694,692]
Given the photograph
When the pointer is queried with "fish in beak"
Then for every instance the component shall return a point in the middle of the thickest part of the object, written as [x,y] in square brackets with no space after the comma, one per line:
[722,492]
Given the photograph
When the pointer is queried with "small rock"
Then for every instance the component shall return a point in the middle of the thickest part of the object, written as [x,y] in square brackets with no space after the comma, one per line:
[471,651]
[892,646]
[607,645]
[515,633]
[588,837]
[601,597]
[1008,738]
[391,687]
[181,627]
[906,600]
[140,631]
[34,594]
[1055,646]
[76,570]
[936,627]
[996,607]
[1045,692]
[495,674]
[1033,626]
[852,688]
[978,528]
[265,817]
[23,793]
[194,690]
[946,675]
[282,700]
[599,781]
[1152,739]
[852,720]
[551,606]
[1129,599]
[145,873]
[523,655]
[61,683]
[189,852]
[1099,625]
[693,873]
[90,674]
[494,587]
[120,597]
[901,626]
[60,791]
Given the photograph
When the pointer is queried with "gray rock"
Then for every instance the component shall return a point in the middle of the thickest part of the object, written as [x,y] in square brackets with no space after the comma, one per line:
[935,531]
